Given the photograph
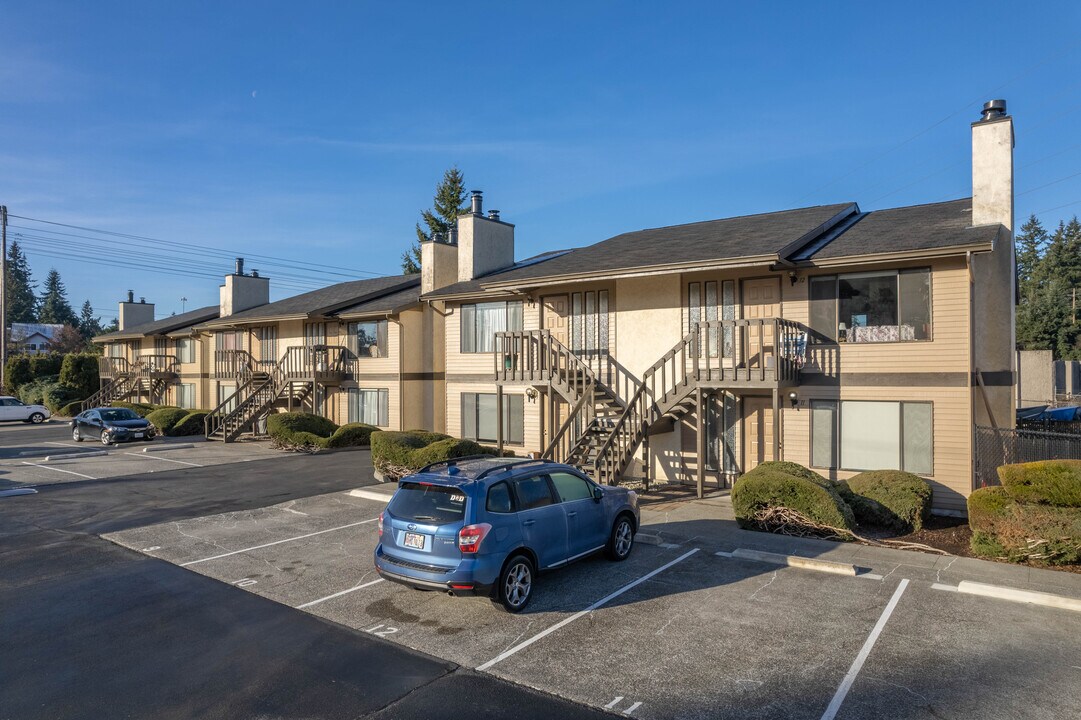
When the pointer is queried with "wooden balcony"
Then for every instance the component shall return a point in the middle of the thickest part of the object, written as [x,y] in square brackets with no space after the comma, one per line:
[232,365]
[158,367]
[111,368]
[324,364]
[760,353]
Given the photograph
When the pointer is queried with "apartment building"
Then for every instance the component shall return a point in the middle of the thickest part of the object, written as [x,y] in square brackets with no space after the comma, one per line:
[839,338]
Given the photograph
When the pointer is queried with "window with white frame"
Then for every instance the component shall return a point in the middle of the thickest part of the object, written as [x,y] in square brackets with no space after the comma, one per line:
[480,423]
[369,406]
[481,321]
[705,304]
[185,395]
[268,343]
[185,351]
[873,435]
[589,323]
[368,338]
[867,307]
[315,334]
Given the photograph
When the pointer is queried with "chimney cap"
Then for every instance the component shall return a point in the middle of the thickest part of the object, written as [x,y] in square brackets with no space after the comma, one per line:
[476,201]
[993,110]
[239,266]
[493,214]
[131,296]
[142,301]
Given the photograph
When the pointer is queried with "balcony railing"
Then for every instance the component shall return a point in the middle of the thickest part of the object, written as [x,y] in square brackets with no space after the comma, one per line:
[113,367]
[157,366]
[233,364]
[752,352]
[322,363]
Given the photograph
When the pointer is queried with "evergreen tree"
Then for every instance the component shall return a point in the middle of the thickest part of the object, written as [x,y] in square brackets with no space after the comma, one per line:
[448,204]
[22,304]
[1049,274]
[1031,243]
[89,325]
[55,307]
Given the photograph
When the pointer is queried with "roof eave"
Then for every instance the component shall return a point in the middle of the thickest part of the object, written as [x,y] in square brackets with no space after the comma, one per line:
[928,254]
[361,315]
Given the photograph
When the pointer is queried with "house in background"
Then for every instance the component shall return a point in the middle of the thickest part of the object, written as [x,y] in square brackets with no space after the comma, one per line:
[32,338]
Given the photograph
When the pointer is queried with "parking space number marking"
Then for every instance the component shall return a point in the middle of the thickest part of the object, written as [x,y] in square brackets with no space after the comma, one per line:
[381,630]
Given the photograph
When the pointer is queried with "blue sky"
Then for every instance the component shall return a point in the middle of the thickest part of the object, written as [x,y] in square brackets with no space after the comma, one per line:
[316,132]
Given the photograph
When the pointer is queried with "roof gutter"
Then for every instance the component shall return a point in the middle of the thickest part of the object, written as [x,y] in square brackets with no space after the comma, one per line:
[906,255]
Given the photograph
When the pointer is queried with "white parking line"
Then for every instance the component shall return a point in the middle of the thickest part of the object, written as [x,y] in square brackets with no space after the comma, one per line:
[276,542]
[566,621]
[155,457]
[339,594]
[69,472]
[857,664]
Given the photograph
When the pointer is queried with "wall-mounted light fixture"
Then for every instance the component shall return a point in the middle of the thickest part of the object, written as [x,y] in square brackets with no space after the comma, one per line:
[793,398]
[792,277]
[531,393]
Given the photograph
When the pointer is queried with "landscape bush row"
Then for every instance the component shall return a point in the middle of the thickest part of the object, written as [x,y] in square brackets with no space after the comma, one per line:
[56,381]
[889,499]
[395,454]
[1034,515]
[307,432]
[167,419]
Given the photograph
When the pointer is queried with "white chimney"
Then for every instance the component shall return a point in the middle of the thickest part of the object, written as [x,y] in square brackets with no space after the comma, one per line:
[242,292]
[992,166]
[485,244]
[134,313]
[438,264]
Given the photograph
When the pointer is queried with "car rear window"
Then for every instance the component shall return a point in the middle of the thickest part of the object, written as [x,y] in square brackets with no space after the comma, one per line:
[428,503]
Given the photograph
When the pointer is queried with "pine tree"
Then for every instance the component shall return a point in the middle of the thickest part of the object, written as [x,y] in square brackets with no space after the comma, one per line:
[89,325]
[1031,243]
[22,304]
[55,307]
[448,204]
[1049,273]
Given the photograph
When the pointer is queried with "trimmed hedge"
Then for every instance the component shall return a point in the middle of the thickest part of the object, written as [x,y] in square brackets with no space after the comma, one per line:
[890,498]
[767,487]
[1007,529]
[351,435]
[190,424]
[71,409]
[791,468]
[46,364]
[79,371]
[395,453]
[444,450]
[17,372]
[140,409]
[165,419]
[1047,482]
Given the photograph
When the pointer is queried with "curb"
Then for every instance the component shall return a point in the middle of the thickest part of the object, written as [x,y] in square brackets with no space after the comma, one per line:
[72,455]
[12,492]
[370,495]
[1032,597]
[159,448]
[648,538]
[827,566]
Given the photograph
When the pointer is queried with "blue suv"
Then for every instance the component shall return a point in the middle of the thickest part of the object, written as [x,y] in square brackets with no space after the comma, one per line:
[486,526]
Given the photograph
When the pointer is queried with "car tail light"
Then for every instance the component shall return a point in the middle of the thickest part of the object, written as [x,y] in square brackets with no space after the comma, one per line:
[379,525]
[471,536]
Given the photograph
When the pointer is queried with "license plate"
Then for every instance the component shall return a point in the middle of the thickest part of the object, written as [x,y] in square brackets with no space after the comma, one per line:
[414,540]
[138,435]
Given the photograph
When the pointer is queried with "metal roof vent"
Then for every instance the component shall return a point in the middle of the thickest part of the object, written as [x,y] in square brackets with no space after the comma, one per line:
[476,201]
[240,266]
[993,110]
[131,296]
[493,214]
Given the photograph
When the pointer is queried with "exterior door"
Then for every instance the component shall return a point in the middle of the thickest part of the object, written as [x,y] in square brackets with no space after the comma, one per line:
[554,317]
[761,300]
[757,431]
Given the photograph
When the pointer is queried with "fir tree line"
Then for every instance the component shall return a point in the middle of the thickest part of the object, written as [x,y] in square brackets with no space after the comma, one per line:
[1049,282]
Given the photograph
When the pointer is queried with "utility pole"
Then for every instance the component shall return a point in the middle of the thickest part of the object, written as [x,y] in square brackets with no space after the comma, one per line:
[3,296]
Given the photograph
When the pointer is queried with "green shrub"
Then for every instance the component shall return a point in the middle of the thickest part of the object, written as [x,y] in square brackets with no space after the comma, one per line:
[791,468]
[190,424]
[1005,528]
[17,372]
[165,419]
[140,409]
[443,450]
[45,364]
[57,395]
[768,488]
[1049,482]
[890,498]
[33,392]
[80,371]
[300,430]
[351,435]
[71,409]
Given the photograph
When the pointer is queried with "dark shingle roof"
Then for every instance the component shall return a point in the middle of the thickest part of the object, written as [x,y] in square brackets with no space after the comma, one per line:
[696,243]
[163,326]
[936,226]
[467,287]
[397,300]
[323,301]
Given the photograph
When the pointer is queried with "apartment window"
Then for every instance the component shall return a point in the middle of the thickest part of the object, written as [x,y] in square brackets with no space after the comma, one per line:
[704,305]
[722,418]
[369,406]
[116,350]
[872,435]
[185,351]
[227,341]
[481,321]
[479,418]
[589,323]
[161,346]
[185,395]
[315,334]
[227,391]
[368,339]
[268,343]
[880,306]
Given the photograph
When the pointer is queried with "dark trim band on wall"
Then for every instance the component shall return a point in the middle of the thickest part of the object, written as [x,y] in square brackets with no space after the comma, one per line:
[900,379]
[995,378]
[423,376]
[473,378]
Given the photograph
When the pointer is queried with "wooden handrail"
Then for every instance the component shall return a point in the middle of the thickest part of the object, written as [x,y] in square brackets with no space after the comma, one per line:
[582,414]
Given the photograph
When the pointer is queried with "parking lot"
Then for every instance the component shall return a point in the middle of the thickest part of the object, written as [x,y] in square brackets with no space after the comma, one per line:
[32,455]
[681,629]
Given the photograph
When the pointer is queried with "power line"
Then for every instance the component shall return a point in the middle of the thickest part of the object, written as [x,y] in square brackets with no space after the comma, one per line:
[1053,182]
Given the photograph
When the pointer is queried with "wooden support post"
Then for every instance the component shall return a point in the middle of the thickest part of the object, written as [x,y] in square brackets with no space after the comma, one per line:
[645,455]
[700,441]
[551,415]
[499,419]
[776,424]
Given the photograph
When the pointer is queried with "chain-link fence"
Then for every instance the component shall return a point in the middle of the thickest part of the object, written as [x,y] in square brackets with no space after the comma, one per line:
[995,447]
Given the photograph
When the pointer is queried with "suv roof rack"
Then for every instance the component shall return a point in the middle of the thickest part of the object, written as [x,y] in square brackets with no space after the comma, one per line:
[452,461]
[520,462]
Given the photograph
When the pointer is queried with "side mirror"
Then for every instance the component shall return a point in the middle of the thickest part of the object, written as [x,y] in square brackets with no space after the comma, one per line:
[598,494]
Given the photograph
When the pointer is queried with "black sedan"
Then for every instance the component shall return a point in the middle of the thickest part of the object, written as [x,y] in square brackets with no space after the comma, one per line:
[110,425]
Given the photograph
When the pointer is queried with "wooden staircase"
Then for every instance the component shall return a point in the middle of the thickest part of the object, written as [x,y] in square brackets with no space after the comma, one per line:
[118,388]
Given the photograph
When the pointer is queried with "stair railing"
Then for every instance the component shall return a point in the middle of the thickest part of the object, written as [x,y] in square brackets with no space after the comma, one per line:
[537,356]
[570,432]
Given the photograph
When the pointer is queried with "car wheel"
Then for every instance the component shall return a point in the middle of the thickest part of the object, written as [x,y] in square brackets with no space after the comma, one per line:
[516,584]
[106,439]
[37,418]
[76,435]
[621,541]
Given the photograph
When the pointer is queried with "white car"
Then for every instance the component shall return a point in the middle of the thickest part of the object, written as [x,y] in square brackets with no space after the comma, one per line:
[12,408]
